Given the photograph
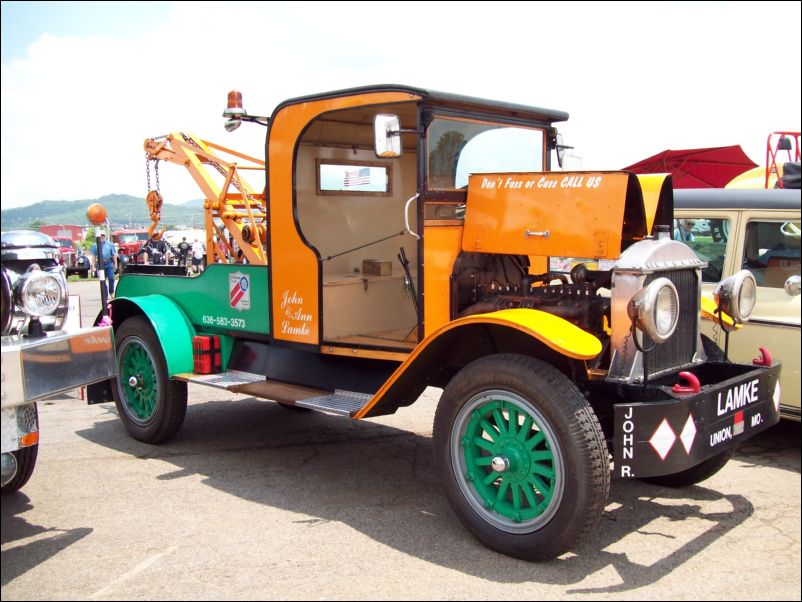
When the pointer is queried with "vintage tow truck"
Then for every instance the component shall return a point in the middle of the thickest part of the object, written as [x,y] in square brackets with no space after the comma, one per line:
[408,238]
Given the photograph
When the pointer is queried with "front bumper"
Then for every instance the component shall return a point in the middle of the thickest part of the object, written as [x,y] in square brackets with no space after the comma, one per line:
[671,432]
[36,368]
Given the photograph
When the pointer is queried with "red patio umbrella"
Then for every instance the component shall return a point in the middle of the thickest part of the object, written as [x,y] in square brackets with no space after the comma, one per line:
[697,167]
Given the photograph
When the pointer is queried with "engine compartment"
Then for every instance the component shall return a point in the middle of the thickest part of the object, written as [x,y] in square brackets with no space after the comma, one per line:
[483,283]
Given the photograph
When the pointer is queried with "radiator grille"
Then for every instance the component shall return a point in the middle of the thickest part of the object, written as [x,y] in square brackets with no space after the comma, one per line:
[679,349]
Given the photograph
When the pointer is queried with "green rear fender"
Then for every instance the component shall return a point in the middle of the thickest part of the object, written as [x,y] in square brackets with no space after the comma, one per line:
[171,325]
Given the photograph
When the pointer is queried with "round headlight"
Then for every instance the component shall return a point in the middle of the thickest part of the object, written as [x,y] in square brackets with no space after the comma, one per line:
[655,309]
[737,295]
[39,293]
[8,310]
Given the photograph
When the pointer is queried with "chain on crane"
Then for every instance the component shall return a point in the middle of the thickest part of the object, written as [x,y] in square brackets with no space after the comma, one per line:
[154,199]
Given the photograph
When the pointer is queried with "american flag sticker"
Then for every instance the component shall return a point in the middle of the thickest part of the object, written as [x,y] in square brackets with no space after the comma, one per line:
[239,291]
[738,425]
[357,177]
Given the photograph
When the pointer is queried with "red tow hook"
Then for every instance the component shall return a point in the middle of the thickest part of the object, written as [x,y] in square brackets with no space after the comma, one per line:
[765,358]
[693,382]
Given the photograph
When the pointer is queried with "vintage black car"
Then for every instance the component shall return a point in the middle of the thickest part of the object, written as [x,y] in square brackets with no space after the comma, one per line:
[39,359]
[25,252]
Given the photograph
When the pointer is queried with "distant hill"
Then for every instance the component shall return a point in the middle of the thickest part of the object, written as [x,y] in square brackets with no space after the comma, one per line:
[123,210]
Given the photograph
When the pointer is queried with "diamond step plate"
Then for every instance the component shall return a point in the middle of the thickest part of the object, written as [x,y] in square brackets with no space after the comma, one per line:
[223,380]
[345,403]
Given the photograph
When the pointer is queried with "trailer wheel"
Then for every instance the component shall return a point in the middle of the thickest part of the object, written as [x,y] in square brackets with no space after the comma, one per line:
[521,456]
[151,405]
[25,457]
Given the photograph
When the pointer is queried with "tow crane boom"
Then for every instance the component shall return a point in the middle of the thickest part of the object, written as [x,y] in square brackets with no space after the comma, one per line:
[241,211]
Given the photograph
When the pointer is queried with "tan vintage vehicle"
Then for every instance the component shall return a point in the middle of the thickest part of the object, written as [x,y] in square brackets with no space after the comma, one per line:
[759,230]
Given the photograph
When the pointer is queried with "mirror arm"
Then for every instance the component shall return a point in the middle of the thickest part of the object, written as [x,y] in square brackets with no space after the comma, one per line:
[400,131]
[256,119]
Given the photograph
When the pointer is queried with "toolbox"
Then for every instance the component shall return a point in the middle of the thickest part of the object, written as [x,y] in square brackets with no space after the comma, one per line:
[377,267]
[206,354]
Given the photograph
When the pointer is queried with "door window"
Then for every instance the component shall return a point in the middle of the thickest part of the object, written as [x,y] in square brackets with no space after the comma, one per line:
[708,237]
[771,251]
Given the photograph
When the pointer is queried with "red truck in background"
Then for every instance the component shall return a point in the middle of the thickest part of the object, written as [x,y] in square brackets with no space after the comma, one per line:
[74,233]
[129,243]
[69,237]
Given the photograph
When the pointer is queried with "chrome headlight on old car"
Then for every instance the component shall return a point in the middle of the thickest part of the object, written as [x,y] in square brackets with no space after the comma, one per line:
[737,295]
[655,309]
[39,293]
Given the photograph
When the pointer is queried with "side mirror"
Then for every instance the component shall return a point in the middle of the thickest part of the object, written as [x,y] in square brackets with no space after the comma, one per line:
[793,285]
[560,148]
[556,143]
[387,135]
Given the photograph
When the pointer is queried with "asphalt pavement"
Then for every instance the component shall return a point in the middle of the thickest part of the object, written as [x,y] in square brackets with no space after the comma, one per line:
[254,501]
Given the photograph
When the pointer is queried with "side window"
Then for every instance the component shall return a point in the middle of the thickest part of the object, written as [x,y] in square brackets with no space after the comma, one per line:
[771,251]
[709,239]
[353,178]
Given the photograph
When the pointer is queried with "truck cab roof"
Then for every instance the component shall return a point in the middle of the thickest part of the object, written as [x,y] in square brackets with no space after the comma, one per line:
[445,99]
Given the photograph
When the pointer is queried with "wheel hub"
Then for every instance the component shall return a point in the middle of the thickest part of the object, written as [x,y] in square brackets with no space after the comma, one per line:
[516,458]
[500,464]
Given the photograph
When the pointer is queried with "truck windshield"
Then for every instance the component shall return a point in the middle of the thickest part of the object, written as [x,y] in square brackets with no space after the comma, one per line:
[459,147]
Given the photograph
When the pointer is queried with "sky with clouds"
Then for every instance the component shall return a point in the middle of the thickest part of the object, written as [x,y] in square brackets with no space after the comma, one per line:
[84,83]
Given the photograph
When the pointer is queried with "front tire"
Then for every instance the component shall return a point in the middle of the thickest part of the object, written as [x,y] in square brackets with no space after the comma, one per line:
[151,405]
[25,457]
[521,456]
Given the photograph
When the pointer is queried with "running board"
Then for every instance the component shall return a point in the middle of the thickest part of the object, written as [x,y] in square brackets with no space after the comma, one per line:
[345,403]
[222,380]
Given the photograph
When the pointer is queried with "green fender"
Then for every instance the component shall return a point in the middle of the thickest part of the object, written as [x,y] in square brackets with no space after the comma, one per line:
[171,325]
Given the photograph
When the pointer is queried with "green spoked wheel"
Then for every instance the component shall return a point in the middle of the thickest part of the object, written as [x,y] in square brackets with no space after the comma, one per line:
[521,456]
[151,406]
[505,450]
[139,380]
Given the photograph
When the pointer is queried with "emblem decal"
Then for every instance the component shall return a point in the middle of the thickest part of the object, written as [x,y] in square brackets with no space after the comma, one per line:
[239,288]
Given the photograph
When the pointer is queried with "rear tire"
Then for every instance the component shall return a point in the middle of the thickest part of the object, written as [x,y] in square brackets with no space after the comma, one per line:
[521,456]
[151,405]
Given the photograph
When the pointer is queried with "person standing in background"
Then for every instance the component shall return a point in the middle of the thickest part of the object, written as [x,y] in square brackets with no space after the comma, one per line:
[183,251]
[197,257]
[108,261]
